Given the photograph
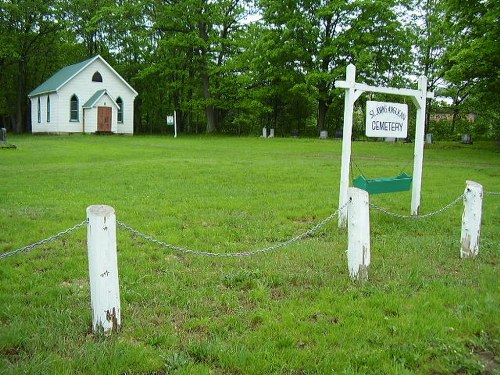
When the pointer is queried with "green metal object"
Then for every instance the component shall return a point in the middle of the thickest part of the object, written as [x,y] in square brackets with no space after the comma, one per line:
[383,185]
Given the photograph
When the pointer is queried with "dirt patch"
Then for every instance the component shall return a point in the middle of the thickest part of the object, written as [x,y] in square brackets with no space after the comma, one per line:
[12,353]
[491,365]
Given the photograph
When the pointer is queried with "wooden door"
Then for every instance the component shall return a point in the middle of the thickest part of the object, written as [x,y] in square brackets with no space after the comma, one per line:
[104,119]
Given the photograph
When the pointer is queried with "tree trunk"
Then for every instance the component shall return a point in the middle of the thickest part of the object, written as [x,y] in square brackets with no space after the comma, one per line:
[454,120]
[209,108]
[427,117]
[322,110]
[324,99]
[21,85]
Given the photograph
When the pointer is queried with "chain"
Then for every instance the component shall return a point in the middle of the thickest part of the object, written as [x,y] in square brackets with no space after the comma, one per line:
[492,193]
[241,254]
[301,236]
[418,216]
[42,242]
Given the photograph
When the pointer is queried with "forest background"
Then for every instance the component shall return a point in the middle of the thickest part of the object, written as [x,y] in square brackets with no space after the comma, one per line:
[235,66]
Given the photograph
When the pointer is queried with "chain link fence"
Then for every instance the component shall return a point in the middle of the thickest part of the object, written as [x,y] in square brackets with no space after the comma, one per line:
[277,246]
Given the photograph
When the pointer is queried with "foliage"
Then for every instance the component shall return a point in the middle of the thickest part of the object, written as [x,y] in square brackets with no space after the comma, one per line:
[471,62]
[223,73]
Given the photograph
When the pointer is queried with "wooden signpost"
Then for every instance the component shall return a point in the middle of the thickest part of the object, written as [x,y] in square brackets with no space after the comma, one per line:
[353,90]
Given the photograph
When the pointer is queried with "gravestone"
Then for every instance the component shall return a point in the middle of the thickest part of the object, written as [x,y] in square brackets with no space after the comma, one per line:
[466,139]
[3,139]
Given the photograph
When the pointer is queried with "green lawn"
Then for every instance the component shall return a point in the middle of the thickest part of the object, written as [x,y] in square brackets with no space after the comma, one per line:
[291,311]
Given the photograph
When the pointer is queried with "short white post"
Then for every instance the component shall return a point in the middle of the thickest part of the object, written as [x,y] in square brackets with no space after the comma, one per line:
[358,248]
[103,268]
[471,220]
[264,132]
[175,123]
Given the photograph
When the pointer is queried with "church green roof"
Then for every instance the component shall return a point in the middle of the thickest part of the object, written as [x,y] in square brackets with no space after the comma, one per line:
[60,78]
[94,98]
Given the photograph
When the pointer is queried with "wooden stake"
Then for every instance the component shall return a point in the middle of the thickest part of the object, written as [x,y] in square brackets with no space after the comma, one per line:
[471,220]
[103,269]
[358,250]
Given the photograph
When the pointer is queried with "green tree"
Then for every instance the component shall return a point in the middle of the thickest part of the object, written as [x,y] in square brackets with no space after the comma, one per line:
[89,20]
[472,62]
[29,34]
[431,35]
[193,43]
[318,38]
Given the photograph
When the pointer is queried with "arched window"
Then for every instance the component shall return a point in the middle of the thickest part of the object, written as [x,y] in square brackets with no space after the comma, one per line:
[48,108]
[97,77]
[39,111]
[74,115]
[119,101]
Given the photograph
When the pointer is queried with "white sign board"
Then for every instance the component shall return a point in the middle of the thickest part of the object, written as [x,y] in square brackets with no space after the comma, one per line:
[386,119]
[170,120]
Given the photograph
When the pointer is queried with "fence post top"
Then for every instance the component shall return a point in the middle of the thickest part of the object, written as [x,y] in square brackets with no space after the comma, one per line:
[357,192]
[473,184]
[100,210]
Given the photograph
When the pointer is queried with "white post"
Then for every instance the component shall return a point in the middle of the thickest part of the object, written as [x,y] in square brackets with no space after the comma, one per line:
[264,132]
[175,123]
[350,97]
[358,248]
[103,268]
[421,104]
[471,220]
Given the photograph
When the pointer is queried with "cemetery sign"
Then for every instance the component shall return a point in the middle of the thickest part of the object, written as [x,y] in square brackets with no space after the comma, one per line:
[386,119]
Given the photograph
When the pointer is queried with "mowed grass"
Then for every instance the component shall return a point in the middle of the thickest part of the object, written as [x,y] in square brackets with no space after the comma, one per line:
[291,311]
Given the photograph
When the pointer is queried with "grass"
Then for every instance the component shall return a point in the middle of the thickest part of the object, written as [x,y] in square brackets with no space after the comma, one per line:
[291,311]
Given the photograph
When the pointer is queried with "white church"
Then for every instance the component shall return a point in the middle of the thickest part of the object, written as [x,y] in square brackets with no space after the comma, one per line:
[86,97]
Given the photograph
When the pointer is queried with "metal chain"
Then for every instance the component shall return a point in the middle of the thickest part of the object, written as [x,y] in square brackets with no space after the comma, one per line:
[241,254]
[418,216]
[492,192]
[46,240]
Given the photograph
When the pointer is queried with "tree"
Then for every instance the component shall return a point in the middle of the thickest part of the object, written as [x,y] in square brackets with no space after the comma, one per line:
[473,60]
[431,35]
[89,20]
[28,30]
[321,37]
[196,40]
